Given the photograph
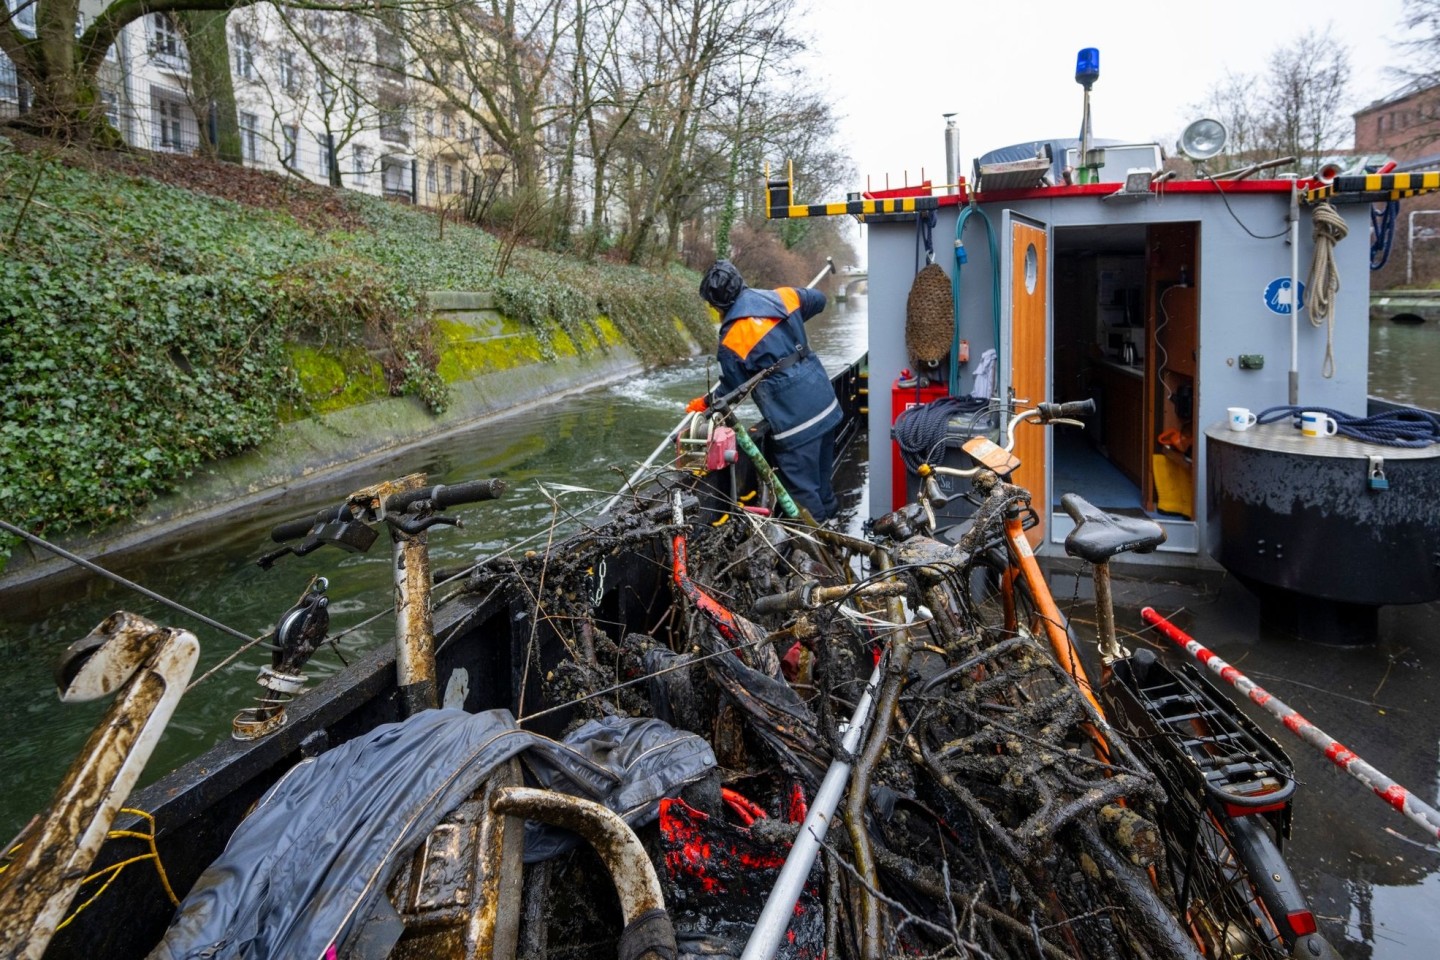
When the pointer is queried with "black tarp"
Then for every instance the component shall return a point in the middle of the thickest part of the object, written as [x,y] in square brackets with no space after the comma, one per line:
[310,865]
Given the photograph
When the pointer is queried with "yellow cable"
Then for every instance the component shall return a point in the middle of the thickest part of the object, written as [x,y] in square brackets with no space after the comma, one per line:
[115,868]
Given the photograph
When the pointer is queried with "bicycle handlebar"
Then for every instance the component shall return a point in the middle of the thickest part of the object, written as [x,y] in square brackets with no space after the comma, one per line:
[472,491]
[1043,413]
[1070,410]
[440,497]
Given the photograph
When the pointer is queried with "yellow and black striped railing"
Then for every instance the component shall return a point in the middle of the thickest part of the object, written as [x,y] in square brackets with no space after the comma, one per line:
[1376,186]
[779,193]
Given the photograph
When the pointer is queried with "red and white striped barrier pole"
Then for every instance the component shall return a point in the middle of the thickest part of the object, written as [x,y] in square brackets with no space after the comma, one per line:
[1338,754]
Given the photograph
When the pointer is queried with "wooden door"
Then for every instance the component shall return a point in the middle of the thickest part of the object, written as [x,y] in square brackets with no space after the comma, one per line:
[1026,318]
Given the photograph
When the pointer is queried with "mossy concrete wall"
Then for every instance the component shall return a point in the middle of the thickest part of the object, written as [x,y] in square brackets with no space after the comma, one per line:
[493,366]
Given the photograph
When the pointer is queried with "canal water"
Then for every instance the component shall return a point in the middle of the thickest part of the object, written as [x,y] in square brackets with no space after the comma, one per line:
[1376,892]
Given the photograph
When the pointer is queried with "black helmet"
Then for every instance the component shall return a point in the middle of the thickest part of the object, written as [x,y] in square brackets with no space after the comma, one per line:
[721,285]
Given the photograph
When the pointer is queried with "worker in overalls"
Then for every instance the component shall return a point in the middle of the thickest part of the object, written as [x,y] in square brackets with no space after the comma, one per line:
[760,329]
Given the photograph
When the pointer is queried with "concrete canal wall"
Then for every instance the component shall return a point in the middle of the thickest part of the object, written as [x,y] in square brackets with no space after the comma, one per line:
[492,365]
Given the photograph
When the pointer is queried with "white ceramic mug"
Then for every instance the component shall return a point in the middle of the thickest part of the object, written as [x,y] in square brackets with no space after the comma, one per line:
[1313,423]
[1240,418]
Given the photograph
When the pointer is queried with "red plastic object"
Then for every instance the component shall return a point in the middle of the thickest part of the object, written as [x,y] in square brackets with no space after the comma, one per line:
[902,399]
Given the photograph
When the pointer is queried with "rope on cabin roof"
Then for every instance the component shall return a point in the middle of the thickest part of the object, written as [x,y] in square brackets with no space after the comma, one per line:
[1405,427]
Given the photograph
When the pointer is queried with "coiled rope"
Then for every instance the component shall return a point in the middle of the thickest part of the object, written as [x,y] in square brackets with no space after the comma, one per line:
[1405,427]
[921,431]
[1329,228]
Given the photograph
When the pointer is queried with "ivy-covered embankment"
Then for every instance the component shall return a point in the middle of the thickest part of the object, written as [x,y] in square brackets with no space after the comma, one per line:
[147,329]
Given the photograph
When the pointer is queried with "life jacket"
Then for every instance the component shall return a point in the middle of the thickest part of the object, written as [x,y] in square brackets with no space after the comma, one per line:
[762,328]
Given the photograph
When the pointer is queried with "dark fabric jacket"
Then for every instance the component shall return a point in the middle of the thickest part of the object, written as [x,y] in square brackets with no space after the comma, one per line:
[762,327]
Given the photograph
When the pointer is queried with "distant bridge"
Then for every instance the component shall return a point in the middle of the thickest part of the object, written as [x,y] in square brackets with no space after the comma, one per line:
[848,281]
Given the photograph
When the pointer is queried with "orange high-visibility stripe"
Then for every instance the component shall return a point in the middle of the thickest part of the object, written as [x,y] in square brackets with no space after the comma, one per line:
[745,332]
[790,298]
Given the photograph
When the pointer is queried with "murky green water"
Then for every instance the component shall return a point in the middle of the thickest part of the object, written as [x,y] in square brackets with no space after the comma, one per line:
[591,440]
[1405,363]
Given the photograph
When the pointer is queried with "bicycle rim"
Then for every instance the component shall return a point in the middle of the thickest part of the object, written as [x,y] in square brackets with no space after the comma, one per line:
[1227,915]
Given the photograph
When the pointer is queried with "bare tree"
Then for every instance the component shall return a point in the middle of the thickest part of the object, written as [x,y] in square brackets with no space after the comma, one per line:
[1295,109]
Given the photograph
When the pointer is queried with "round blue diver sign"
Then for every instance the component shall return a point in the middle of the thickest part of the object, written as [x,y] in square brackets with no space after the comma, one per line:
[1280,294]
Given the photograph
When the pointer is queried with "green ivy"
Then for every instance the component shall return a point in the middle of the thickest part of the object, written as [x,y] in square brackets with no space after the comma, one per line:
[145,329]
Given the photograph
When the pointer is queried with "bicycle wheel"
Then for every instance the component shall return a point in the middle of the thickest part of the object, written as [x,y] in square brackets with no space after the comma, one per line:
[985,579]
[1227,914]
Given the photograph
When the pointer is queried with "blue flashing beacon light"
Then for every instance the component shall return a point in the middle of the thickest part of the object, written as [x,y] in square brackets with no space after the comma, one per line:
[1087,67]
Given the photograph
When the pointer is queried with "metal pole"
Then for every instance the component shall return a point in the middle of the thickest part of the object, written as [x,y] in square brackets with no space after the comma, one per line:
[1294,292]
[1410,249]
[952,154]
[1338,754]
[669,439]
[780,908]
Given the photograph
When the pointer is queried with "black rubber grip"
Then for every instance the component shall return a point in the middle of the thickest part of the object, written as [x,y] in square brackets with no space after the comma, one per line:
[1072,409]
[444,496]
[294,529]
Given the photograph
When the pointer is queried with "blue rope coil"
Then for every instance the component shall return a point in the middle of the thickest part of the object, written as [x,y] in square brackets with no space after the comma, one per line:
[921,431]
[1405,427]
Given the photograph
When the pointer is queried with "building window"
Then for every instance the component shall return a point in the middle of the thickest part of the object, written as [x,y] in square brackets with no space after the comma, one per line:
[445,125]
[24,15]
[249,137]
[289,77]
[464,180]
[112,107]
[430,185]
[463,129]
[244,55]
[392,124]
[360,165]
[326,88]
[430,123]
[449,179]
[171,128]
[289,142]
[165,37]
[326,143]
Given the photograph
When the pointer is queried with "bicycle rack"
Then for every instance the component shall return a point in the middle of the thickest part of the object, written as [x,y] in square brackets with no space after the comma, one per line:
[1207,743]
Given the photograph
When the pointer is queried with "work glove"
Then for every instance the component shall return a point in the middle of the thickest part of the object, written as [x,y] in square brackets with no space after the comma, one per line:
[698,405]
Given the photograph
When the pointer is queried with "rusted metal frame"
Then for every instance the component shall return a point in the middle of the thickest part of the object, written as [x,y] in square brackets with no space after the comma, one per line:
[872,945]
[414,631]
[636,883]
[919,878]
[750,643]
[149,667]
[1140,898]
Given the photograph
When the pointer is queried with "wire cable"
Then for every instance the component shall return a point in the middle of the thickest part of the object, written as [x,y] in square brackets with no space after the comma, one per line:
[1273,236]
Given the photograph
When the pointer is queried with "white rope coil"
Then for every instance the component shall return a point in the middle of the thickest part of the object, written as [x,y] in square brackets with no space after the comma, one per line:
[1329,228]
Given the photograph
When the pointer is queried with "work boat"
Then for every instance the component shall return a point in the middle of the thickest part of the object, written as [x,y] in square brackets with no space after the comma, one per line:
[1231,397]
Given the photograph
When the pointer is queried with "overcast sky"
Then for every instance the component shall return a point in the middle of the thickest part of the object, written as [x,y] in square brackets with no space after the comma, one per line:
[1007,69]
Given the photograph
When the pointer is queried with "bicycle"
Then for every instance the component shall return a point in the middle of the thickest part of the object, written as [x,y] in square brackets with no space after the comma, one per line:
[1225,777]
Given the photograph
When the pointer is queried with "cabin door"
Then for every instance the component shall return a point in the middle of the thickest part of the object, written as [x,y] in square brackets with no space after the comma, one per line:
[1024,360]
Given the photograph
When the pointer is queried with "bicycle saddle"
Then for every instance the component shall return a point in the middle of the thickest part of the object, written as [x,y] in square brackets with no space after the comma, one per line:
[1098,535]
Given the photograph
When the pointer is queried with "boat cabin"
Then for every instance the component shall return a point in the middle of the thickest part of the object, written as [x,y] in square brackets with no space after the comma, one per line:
[1166,302]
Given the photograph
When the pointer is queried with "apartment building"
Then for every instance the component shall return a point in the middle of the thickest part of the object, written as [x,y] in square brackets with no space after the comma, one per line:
[327,96]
